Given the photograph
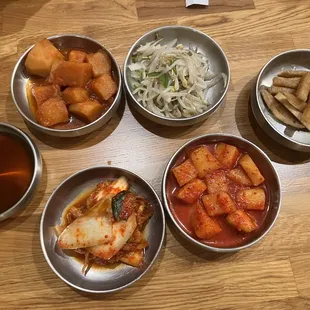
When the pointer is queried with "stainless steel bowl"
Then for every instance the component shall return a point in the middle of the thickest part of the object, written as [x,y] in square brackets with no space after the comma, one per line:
[68,268]
[37,169]
[188,37]
[20,79]
[295,139]
[265,166]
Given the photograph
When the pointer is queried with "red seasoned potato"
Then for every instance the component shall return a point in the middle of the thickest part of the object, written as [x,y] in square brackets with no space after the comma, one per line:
[191,191]
[41,58]
[204,161]
[100,62]
[218,204]
[75,95]
[251,169]
[77,56]
[185,172]
[204,226]
[70,73]
[251,199]
[217,182]
[89,110]
[104,86]
[241,221]
[51,112]
[227,154]
[238,176]
[44,92]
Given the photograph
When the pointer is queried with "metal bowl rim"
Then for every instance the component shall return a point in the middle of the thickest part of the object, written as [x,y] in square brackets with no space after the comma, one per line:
[37,167]
[43,216]
[187,236]
[211,110]
[35,124]
[257,94]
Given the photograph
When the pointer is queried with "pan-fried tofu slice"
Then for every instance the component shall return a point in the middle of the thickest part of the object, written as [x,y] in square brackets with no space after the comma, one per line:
[251,199]
[279,111]
[52,112]
[185,172]
[41,58]
[227,154]
[218,204]
[204,226]
[191,191]
[241,221]
[204,161]
[100,62]
[77,56]
[44,92]
[217,182]
[122,231]
[71,73]
[104,86]
[89,110]
[75,95]
[238,176]
[305,118]
[251,169]
[286,82]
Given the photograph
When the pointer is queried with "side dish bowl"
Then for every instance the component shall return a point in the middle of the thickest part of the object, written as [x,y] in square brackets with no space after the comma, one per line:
[20,78]
[37,169]
[188,37]
[98,280]
[264,164]
[288,136]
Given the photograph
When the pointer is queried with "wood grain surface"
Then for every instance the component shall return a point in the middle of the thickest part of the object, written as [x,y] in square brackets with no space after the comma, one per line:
[273,274]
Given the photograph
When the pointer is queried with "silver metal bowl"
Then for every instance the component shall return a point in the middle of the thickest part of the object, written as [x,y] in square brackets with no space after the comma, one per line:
[188,37]
[20,79]
[68,268]
[265,166]
[288,136]
[37,169]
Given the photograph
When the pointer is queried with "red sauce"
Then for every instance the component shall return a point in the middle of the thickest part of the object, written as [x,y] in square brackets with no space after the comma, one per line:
[16,170]
[229,237]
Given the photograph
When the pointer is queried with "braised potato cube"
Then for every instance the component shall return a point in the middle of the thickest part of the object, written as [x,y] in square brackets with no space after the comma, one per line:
[227,154]
[77,56]
[251,199]
[204,226]
[238,176]
[51,112]
[191,191]
[251,169]
[89,110]
[241,221]
[70,73]
[41,57]
[104,86]
[216,182]
[185,172]
[204,161]
[75,95]
[44,92]
[100,62]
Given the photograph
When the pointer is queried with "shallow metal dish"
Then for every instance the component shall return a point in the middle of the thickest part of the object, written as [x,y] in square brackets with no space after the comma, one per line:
[37,169]
[98,280]
[288,136]
[265,166]
[20,78]
[188,37]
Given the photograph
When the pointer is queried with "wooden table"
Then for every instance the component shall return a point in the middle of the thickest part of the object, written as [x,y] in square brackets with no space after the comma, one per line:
[273,274]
